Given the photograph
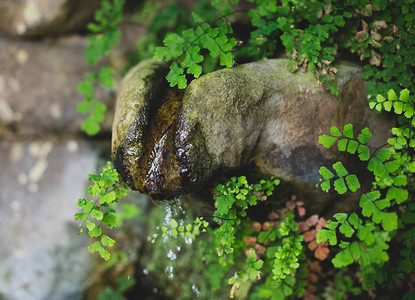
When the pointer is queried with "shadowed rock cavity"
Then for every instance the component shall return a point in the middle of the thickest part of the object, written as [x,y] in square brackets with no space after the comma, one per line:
[168,142]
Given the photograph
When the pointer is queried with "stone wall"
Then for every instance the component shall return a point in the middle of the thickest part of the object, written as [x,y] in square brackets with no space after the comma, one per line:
[45,158]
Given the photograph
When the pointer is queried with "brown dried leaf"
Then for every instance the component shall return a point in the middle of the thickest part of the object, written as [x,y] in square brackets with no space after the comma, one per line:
[304,226]
[312,245]
[395,29]
[322,223]
[328,10]
[266,225]
[273,216]
[311,221]
[380,24]
[250,240]
[367,10]
[259,249]
[375,58]
[263,198]
[301,211]
[375,35]
[314,265]
[256,226]
[310,235]
[364,25]
[312,277]
[321,252]
[290,205]
[309,295]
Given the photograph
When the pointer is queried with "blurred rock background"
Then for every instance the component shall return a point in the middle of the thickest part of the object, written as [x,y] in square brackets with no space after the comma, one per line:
[45,158]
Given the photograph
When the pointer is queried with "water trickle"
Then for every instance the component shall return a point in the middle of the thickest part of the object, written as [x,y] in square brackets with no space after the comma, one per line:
[169,272]
[174,211]
[188,240]
[195,290]
[171,255]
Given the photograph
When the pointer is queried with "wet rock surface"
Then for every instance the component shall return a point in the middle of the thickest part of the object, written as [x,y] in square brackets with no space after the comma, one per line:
[258,111]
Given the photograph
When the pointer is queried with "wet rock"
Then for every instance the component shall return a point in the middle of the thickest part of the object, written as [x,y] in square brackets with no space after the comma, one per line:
[257,111]
[50,17]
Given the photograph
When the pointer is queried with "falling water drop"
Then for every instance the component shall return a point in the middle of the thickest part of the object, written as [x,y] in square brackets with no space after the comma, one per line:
[195,290]
[171,255]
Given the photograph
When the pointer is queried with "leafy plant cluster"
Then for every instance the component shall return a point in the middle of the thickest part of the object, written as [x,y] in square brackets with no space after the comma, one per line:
[266,260]
[185,50]
[123,284]
[313,33]
[105,35]
[386,211]
[99,211]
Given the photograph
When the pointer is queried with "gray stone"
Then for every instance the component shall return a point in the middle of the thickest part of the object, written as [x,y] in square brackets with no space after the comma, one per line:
[41,254]
[45,17]
[38,85]
[257,112]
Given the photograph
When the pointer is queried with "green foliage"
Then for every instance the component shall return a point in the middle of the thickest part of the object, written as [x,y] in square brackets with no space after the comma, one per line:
[342,176]
[232,200]
[110,293]
[105,35]
[346,142]
[189,231]
[385,211]
[244,248]
[163,19]
[342,285]
[186,49]
[311,32]
[99,211]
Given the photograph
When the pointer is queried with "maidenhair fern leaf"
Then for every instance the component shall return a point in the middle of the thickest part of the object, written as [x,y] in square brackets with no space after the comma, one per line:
[364,136]
[326,140]
[340,186]
[342,144]
[404,95]
[389,221]
[325,186]
[326,173]
[352,146]
[348,131]
[334,131]
[343,258]
[346,229]
[364,153]
[352,182]
[341,217]
[340,169]
[324,235]
[392,95]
